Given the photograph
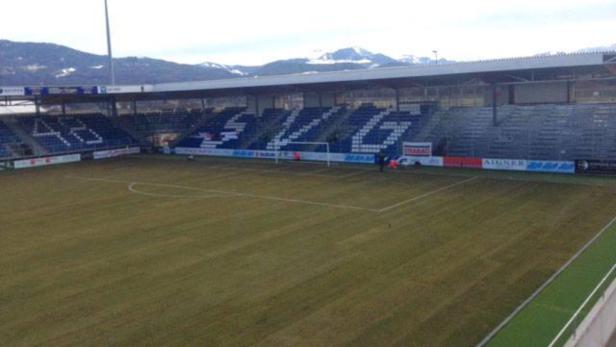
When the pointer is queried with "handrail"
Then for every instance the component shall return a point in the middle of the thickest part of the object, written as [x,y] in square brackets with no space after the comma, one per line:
[579,310]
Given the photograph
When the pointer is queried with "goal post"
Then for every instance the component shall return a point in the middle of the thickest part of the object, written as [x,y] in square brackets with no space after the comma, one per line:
[278,152]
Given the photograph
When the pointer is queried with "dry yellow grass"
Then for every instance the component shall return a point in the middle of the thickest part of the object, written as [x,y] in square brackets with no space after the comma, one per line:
[240,253]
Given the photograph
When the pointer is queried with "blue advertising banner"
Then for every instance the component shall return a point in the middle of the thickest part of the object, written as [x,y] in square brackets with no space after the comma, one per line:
[564,167]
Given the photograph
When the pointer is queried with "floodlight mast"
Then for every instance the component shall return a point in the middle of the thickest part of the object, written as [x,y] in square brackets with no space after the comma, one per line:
[109,52]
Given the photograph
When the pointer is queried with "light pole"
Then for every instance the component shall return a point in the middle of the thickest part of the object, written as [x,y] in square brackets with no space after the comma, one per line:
[435,54]
[109,53]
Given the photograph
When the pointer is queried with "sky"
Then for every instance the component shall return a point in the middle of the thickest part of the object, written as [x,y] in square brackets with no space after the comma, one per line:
[256,32]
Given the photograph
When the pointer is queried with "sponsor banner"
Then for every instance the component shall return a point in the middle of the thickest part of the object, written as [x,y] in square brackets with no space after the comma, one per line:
[12,91]
[417,149]
[605,167]
[63,159]
[125,89]
[204,151]
[463,162]
[284,155]
[505,164]
[116,153]
[565,167]
[353,158]
[424,161]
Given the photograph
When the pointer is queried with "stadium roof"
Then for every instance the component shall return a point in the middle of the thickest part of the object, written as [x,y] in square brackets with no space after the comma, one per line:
[488,70]
[402,72]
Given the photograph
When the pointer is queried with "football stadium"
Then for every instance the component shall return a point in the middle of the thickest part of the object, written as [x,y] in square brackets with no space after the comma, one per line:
[460,204]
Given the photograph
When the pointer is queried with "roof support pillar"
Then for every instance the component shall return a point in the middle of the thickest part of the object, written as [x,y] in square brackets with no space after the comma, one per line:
[37,106]
[114,106]
[494,105]
[63,108]
[570,91]
[397,99]
[134,107]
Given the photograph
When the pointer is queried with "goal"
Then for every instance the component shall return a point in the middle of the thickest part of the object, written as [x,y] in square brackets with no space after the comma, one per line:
[311,151]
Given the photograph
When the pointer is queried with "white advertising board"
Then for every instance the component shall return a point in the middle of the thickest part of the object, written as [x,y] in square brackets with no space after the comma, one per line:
[12,91]
[424,161]
[505,164]
[30,163]
[116,152]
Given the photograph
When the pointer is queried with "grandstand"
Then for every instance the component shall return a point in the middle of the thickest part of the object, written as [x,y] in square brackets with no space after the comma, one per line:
[300,254]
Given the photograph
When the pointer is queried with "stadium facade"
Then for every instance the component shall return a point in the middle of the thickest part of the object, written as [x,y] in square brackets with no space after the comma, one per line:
[550,113]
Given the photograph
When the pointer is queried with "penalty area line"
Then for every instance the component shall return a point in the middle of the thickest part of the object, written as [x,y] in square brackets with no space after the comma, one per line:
[423,196]
[225,194]
[131,185]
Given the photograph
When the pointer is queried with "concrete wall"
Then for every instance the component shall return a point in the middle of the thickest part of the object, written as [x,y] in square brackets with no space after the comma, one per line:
[599,325]
[311,100]
[536,93]
[328,99]
[319,99]
[265,101]
[251,103]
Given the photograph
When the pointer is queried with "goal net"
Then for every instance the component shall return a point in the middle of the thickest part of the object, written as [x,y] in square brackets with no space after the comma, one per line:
[303,151]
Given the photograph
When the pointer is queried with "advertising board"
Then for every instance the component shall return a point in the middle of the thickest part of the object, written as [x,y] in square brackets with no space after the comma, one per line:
[112,153]
[547,166]
[424,161]
[505,164]
[463,162]
[603,167]
[45,161]
[417,149]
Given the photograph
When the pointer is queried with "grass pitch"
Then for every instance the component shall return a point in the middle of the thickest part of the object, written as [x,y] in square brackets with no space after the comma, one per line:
[150,251]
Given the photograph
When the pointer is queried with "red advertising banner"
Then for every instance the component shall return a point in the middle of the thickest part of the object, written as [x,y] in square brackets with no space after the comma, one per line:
[417,149]
[464,162]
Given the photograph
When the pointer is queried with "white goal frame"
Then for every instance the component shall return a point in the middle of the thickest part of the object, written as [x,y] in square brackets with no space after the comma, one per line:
[279,144]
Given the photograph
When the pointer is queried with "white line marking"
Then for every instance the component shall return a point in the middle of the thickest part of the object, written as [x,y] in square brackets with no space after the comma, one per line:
[549,281]
[277,170]
[132,189]
[579,310]
[352,174]
[230,193]
[315,172]
[420,197]
[275,198]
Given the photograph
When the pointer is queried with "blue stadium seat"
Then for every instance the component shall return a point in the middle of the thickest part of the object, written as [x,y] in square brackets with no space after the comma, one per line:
[59,134]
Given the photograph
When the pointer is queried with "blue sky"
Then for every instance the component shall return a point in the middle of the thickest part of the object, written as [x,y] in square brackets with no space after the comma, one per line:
[255,32]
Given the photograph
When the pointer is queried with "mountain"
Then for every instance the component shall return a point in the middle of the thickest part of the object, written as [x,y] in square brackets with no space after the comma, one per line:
[26,63]
[355,55]
[48,64]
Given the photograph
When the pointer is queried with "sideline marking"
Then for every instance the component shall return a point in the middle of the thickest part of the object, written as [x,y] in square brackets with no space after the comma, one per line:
[539,290]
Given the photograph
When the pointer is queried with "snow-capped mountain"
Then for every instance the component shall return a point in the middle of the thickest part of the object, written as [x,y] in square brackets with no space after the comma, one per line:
[24,63]
[355,55]
[231,69]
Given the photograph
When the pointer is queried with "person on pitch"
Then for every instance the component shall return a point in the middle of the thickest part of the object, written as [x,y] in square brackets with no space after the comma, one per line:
[380,160]
[393,164]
